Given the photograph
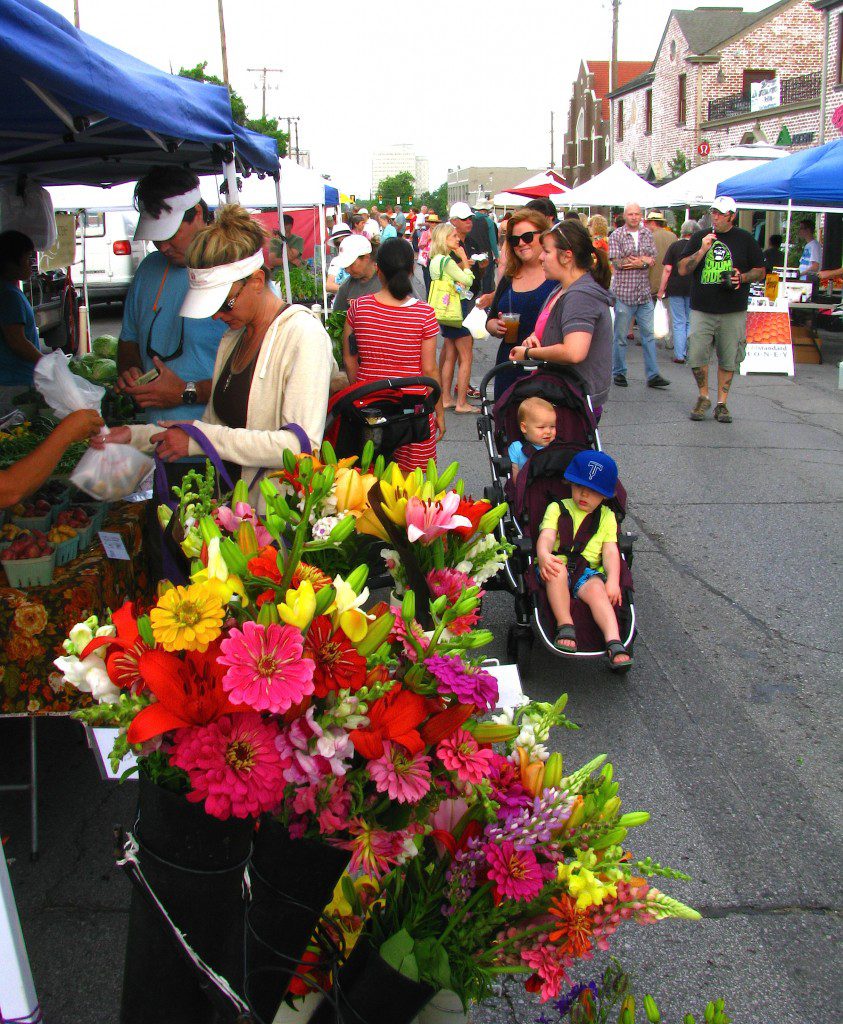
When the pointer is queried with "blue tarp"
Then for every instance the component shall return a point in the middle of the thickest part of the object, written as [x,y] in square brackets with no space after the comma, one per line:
[257,151]
[125,115]
[813,177]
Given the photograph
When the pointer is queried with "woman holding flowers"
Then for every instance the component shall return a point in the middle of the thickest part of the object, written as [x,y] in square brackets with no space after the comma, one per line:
[273,366]
[396,337]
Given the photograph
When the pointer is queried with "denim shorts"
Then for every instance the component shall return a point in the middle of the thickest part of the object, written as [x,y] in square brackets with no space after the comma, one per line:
[586,576]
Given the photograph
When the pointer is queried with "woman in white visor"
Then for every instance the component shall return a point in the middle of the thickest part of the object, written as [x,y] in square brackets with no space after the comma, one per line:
[273,367]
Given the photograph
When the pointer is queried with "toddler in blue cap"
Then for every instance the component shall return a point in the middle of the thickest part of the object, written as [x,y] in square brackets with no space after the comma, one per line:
[578,554]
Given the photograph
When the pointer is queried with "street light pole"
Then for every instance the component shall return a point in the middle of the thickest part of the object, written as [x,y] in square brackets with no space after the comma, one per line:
[222,43]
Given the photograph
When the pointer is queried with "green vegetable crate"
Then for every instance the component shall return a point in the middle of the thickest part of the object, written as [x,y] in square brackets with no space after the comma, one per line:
[30,572]
[31,523]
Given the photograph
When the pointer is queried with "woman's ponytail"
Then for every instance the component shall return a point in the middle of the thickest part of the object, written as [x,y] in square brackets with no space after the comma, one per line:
[395,262]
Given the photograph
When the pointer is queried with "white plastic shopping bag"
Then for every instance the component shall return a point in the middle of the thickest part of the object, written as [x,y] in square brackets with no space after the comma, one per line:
[109,473]
[476,323]
[661,321]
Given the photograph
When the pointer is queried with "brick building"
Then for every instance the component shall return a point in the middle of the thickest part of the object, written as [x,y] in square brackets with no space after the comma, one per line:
[586,145]
[832,98]
[699,89]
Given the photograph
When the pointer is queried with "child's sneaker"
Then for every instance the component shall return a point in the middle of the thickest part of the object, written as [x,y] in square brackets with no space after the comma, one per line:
[701,408]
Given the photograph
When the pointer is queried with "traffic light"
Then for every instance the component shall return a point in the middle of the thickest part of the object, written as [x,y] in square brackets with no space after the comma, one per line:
[353,198]
[380,199]
[410,200]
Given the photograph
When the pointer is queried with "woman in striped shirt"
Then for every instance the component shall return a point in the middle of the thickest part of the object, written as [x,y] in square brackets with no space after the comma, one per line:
[396,337]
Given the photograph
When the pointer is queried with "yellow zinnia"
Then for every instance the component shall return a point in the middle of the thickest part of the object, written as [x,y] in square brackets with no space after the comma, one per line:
[187,618]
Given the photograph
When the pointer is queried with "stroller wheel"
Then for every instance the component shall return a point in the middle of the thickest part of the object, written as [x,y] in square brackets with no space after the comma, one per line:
[519,648]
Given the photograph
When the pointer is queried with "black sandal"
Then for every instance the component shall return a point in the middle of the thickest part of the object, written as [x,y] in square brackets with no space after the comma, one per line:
[566,632]
[614,648]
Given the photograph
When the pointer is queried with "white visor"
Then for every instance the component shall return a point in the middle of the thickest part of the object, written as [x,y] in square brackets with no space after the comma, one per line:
[209,286]
[167,223]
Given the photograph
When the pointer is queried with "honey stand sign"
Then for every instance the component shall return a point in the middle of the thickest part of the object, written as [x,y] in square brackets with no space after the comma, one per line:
[769,347]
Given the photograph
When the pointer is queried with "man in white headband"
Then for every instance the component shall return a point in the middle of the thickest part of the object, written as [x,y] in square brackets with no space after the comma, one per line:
[156,340]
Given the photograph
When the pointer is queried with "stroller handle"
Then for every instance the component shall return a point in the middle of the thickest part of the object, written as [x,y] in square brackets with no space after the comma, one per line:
[360,391]
[565,371]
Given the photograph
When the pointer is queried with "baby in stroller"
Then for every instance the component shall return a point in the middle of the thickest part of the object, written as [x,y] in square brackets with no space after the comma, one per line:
[537,422]
[578,554]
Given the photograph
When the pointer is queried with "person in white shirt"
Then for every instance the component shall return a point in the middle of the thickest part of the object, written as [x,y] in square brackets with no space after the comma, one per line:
[811,259]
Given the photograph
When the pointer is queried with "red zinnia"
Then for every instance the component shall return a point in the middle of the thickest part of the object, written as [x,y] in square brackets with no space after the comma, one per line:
[338,665]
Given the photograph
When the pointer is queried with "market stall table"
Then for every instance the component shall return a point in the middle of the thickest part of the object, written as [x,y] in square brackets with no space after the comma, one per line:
[807,344]
[35,621]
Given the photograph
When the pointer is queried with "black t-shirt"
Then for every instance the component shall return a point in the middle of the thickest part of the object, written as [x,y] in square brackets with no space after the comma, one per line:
[735,249]
[677,285]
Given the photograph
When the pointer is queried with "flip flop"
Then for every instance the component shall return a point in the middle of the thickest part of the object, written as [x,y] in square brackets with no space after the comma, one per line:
[566,632]
[614,648]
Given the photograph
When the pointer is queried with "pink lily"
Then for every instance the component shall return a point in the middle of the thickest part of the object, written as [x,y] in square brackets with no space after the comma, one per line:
[229,519]
[427,520]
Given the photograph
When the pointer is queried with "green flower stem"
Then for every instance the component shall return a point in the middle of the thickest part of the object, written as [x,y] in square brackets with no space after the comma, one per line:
[457,917]
[295,553]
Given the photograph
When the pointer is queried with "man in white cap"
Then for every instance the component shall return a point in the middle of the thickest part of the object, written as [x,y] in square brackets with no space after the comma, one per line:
[154,338]
[723,263]
[357,257]
[337,274]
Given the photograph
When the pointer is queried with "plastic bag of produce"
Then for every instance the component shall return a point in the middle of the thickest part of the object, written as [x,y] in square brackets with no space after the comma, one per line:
[661,321]
[112,472]
[65,392]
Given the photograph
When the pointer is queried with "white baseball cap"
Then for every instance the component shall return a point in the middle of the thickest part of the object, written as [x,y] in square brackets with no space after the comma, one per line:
[363,209]
[459,211]
[351,249]
[158,229]
[340,230]
[724,204]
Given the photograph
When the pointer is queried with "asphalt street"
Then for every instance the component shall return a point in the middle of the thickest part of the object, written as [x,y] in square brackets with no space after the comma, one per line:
[727,730]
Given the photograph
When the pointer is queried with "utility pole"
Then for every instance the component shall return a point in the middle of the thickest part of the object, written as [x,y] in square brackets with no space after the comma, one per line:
[263,72]
[290,121]
[552,161]
[222,44]
[76,13]
[297,140]
[613,78]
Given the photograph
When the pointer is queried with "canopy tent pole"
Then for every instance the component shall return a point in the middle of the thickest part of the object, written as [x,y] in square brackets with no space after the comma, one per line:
[84,345]
[230,172]
[285,263]
[787,243]
[17,989]
[324,260]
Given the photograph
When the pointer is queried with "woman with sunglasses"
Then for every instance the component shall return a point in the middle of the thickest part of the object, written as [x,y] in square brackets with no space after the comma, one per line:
[523,289]
[575,326]
[273,366]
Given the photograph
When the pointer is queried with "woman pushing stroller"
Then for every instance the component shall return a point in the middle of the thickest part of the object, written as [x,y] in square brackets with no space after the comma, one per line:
[578,554]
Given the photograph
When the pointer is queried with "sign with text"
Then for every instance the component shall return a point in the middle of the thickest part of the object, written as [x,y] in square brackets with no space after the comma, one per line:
[764,95]
[769,346]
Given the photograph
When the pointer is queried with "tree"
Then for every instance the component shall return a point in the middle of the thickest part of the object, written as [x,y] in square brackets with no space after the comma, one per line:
[437,201]
[678,165]
[262,125]
[389,190]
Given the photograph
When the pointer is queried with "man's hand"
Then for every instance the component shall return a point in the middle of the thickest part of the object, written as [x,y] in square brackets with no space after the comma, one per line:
[81,425]
[172,444]
[127,379]
[550,566]
[162,393]
[117,435]
[707,242]
[736,279]
[613,592]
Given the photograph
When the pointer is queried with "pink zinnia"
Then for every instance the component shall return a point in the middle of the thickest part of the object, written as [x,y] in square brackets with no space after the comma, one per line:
[266,669]
[460,753]
[233,765]
[403,776]
[451,583]
[516,873]
[550,970]
[470,684]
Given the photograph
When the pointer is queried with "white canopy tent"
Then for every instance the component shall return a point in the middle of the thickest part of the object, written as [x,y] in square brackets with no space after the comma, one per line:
[616,186]
[698,187]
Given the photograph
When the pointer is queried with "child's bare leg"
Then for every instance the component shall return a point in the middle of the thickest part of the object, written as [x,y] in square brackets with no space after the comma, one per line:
[447,363]
[593,593]
[559,598]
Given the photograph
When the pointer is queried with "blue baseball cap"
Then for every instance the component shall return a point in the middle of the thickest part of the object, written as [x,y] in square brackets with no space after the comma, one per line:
[596,470]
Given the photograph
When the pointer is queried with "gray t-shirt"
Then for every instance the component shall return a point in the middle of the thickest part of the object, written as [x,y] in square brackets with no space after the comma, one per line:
[352,288]
[585,306]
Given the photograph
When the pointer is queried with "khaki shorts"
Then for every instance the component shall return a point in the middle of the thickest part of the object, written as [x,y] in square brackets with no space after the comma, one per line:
[726,331]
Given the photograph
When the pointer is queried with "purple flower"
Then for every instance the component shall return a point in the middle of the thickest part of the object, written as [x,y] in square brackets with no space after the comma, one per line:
[470,684]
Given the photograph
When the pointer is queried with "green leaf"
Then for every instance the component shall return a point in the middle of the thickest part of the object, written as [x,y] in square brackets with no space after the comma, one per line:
[409,968]
[396,948]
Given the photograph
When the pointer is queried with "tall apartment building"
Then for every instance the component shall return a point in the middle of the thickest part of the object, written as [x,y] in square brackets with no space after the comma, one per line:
[397,160]
[703,92]
[470,184]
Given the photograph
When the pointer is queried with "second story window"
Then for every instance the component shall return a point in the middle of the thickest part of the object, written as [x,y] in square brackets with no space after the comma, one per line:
[648,112]
[682,100]
[750,78]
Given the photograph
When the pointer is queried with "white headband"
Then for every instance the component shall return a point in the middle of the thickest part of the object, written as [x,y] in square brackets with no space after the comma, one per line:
[201,278]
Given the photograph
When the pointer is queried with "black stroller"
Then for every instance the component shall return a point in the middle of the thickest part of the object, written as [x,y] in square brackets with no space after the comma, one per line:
[390,413]
[539,482]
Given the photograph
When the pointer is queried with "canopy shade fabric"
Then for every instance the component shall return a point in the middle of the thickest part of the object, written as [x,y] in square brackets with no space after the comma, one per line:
[698,186]
[813,177]
[616,186]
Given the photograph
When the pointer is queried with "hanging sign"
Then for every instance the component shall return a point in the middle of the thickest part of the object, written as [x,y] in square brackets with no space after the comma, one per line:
[764,95]
[769,346]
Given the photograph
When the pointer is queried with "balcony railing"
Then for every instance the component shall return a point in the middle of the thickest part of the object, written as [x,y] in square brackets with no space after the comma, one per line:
[798,89]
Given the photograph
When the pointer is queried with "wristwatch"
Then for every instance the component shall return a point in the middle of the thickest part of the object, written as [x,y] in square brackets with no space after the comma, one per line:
[189,395]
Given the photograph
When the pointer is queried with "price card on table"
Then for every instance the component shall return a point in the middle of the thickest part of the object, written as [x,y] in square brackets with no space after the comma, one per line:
[113,545]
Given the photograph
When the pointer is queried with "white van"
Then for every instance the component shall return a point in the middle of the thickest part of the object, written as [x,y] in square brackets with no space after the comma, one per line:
[111,256]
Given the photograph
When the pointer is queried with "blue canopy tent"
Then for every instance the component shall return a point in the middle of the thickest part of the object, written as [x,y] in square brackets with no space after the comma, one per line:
[78,111]
[810,181]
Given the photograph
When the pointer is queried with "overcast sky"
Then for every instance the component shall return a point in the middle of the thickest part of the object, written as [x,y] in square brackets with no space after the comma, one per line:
[362,76]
